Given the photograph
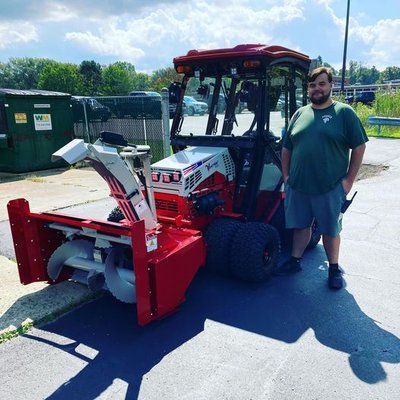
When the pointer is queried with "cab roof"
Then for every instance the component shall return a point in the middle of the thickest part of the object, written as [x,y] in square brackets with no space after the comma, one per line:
[242,51]
[221,61]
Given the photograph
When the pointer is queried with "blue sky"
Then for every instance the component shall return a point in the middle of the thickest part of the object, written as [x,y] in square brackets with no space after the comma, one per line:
[150,33]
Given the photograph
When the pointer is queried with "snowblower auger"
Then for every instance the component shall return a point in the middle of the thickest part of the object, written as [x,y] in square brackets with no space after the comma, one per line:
[137,260]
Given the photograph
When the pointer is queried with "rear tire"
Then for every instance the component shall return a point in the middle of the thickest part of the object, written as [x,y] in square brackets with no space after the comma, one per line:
[315,237]
[278,222]
[255,251]
[218,237]
[286,235]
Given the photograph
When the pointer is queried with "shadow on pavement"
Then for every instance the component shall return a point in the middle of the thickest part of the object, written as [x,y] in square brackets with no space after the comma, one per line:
[42,303]
[283,309]
[18,176]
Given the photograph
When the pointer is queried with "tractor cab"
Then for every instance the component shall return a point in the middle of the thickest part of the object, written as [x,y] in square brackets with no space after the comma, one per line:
[260,87]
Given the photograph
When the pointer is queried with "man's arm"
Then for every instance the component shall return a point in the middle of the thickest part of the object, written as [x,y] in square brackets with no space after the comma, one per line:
[356,158]
[285,161]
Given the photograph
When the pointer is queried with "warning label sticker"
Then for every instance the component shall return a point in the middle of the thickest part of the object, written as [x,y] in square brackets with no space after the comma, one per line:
[151,242]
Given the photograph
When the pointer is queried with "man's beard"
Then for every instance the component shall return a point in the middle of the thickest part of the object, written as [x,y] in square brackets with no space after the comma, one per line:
[320,100]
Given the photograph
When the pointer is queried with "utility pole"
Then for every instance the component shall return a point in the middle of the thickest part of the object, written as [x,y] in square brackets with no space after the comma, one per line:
[345,46]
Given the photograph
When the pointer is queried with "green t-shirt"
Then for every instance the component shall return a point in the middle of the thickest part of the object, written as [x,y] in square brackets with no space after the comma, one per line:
[320,143]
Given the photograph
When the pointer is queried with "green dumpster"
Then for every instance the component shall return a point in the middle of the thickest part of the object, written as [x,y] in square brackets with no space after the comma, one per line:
[33,125]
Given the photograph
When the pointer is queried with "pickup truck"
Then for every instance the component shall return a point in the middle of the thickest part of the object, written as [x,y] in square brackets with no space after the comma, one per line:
[366,98]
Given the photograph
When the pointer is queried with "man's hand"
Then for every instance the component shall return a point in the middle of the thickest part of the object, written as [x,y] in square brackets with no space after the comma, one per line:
[347,185]
[285,162]
[355,164]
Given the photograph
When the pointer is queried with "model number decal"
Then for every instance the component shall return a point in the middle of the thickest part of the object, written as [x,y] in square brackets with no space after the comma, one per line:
[197,165]
[212,165]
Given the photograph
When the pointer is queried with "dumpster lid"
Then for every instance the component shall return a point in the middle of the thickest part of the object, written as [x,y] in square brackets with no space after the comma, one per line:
[31,92]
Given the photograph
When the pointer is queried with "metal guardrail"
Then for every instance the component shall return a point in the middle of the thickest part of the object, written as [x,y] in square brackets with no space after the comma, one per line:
[350,90]
[383,121]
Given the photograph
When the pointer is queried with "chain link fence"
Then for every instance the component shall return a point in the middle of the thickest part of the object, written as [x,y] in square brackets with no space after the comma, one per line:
[138,118]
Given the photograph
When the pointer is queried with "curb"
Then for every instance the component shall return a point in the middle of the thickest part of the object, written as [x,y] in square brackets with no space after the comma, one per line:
[22,307]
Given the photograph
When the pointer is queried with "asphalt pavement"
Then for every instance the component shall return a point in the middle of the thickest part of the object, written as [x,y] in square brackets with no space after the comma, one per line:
[290,338]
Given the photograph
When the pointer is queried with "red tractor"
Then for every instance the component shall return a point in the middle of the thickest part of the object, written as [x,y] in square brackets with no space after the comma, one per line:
[216,202]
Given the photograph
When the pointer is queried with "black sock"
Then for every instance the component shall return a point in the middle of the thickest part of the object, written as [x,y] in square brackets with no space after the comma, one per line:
[334,266]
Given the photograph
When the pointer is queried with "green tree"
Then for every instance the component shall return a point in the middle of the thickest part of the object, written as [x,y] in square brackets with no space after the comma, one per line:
[375,75]
[364,75]
[92,78]
[126,65]
[117,80]
[22,73]
[163,78]
[61,77]
[390,74]
[353,65]
[319,62]
[5,77]
[141,81]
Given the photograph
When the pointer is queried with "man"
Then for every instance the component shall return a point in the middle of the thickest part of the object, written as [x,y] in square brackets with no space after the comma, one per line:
[321,155]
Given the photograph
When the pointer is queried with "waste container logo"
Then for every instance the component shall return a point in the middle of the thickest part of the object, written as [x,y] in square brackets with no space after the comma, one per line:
[42,122]
[20,118]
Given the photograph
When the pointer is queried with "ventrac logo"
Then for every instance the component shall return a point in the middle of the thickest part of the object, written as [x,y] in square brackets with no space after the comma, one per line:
[212,165]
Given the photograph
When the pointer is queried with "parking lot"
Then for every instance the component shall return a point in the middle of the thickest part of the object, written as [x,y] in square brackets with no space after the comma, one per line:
[290,338]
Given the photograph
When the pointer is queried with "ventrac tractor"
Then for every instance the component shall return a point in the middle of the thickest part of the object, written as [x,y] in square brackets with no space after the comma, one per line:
[216,202]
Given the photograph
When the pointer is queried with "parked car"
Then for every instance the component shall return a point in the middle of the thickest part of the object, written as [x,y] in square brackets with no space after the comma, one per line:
[94,109]
[172,109]
[221,103]
[366,98]
[144,93]
[193,106]
[280,105]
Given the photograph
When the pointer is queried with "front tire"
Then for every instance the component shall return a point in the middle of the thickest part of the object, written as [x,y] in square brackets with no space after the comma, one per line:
[254,252]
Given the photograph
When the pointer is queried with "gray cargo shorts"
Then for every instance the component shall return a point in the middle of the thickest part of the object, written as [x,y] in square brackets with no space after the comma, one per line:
[301,209]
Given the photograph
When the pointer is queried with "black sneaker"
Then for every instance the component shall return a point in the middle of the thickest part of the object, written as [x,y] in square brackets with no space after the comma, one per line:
[335,278]
[289,267]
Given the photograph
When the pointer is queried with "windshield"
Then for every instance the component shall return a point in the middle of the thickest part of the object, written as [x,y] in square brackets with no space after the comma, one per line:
[235,103]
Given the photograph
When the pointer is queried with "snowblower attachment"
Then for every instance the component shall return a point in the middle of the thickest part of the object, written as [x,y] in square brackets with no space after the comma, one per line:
[137,260]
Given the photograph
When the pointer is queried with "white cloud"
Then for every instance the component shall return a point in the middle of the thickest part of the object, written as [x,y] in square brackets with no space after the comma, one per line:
[379,43]
[202,25]
[149,34]
[56,12]
[17,32]
[109,45]
[383,40]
